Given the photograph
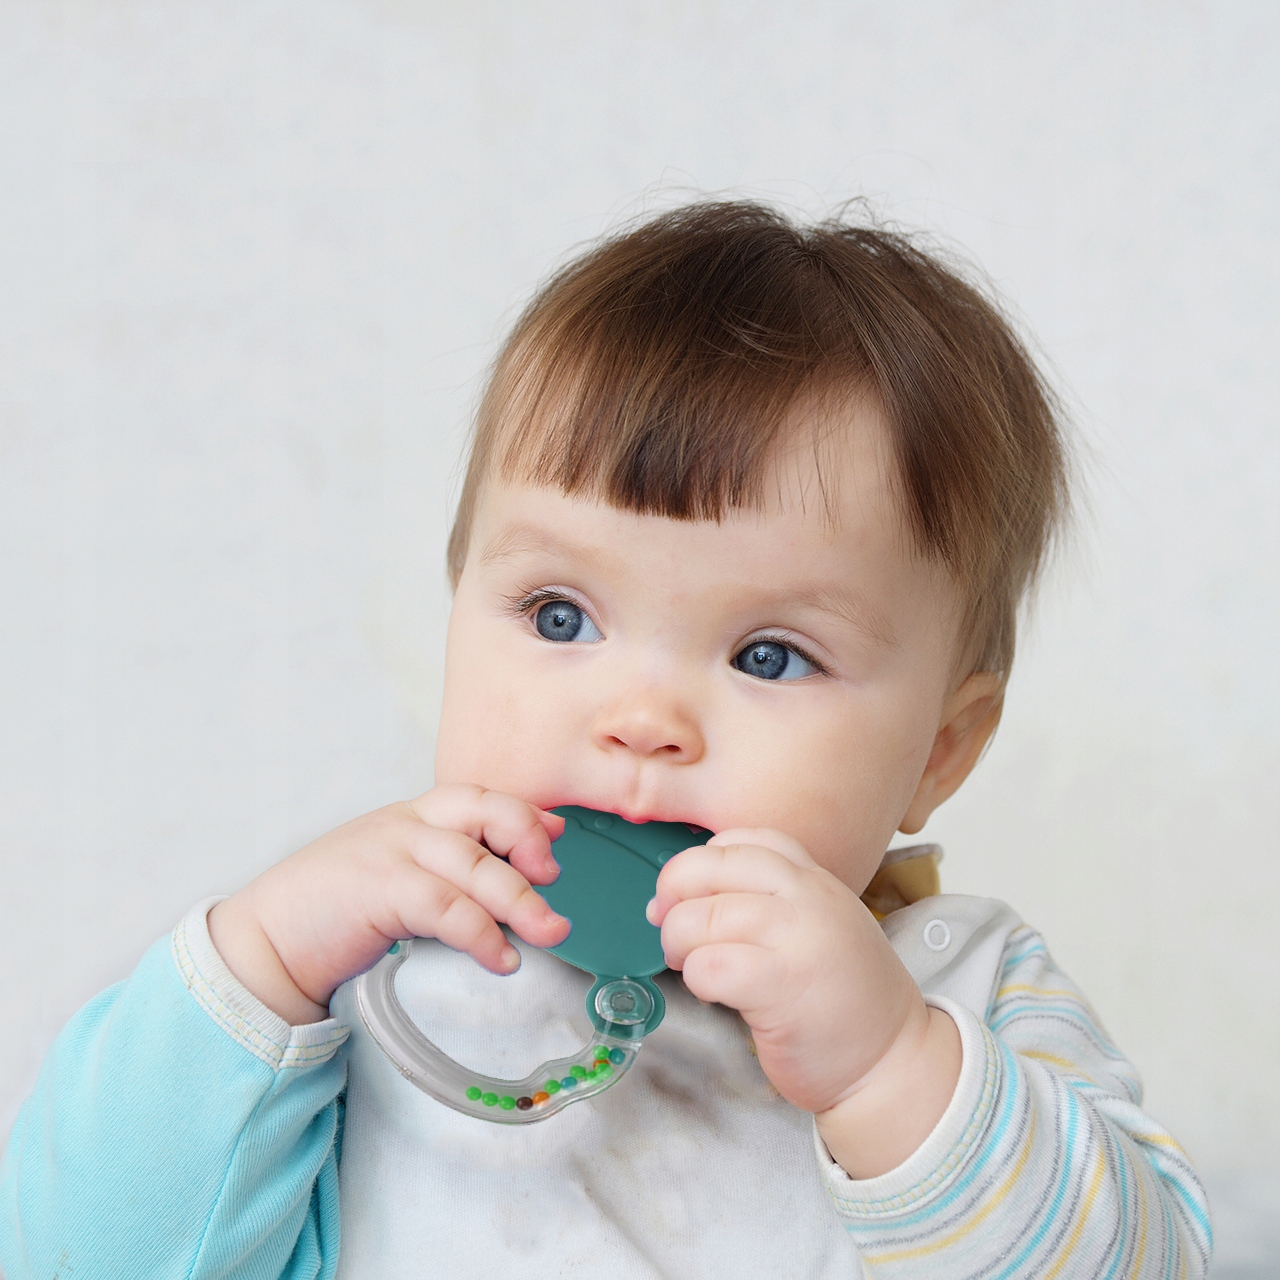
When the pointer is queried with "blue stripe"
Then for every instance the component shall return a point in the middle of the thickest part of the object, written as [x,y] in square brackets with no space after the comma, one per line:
[1058,1195]
[1123,1166]
[1193,1206]
[984,1154]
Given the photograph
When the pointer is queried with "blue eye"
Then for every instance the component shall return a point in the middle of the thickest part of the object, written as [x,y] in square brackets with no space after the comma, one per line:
[563,620]
[770,660]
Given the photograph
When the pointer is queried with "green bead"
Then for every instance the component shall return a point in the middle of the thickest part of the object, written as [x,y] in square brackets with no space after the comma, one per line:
[489,1099]
[604,1071]
[601,1051]
[591,1075]
[578,1073]
[474,1094]
[552,1086]
[507,1103]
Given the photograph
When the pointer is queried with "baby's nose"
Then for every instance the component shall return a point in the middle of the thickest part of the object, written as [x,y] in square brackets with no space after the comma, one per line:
[650,725]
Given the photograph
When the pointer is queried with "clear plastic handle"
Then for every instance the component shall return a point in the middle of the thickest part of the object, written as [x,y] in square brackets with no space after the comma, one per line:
[622,1010]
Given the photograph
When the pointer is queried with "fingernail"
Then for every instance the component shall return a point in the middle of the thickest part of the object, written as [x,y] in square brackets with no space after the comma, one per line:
[510,959]
[651,910]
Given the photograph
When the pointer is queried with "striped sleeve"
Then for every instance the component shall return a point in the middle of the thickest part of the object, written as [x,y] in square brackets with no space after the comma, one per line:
[1044,1164]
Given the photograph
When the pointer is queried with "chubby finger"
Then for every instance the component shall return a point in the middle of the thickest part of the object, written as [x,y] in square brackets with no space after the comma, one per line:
[755,918]
[713,868]
[428,906]
[737,975]
[512,828]
[493,884]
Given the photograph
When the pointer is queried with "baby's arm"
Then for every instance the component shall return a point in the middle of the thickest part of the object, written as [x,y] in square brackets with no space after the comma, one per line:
[1024,1151]
[1044,1160]
[185,1122]
[178,1128]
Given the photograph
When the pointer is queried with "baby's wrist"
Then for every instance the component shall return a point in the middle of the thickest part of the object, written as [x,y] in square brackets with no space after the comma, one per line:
[247,951]
[897,1103]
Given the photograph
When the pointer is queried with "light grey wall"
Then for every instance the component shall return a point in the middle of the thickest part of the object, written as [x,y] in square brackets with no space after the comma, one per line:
[253,259]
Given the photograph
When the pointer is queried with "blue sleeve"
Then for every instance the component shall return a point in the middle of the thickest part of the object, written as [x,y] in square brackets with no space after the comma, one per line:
[178,1129]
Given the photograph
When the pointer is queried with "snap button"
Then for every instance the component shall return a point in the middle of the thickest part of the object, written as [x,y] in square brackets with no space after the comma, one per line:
[937,935]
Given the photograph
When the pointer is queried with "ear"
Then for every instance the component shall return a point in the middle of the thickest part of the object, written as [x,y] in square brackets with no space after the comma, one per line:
[969,718]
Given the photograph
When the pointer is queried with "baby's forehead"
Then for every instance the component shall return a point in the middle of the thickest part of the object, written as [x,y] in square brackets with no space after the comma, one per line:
[824,500]
[818,454]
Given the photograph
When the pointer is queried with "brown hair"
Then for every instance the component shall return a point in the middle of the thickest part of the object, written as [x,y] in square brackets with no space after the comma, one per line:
[657,373]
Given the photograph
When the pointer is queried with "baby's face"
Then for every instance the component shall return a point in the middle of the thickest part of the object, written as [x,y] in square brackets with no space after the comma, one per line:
[781,668]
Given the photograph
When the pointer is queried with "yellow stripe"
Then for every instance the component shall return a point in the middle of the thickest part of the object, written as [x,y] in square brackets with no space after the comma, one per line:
[1040,991]
[1052,1059]
[1082,1216]
[977,1218]
[1142,1234]
[1158,1140]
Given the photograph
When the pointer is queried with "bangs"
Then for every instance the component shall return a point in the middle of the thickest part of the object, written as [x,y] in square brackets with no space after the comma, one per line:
[671,395]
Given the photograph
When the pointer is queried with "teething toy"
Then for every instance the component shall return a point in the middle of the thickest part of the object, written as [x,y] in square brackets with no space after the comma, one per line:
[608,872]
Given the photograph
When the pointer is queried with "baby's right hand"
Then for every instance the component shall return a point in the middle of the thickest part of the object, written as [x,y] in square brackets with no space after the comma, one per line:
[421,868]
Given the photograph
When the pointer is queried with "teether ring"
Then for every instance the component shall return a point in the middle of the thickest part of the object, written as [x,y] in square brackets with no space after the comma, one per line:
[608,872]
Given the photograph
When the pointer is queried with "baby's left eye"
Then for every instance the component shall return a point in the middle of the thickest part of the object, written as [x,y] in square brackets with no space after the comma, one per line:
[564,621]
[772,660]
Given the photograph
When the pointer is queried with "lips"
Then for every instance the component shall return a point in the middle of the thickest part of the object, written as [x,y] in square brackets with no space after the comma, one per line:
[635,815]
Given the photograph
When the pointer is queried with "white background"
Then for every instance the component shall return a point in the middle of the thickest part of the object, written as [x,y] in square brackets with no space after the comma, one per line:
[254,258]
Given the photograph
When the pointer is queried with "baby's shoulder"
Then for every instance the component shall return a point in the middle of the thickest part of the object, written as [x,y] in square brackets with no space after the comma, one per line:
[954,945]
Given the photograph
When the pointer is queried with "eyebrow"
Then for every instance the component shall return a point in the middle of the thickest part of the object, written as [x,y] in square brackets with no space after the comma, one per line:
[519,538]
[847,604]
[844,603]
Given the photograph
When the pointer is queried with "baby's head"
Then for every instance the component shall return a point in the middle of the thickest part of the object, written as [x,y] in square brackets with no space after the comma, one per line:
[749,513]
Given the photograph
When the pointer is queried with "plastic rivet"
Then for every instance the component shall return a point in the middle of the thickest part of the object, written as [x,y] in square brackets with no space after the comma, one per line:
[623,1002]
[937,935]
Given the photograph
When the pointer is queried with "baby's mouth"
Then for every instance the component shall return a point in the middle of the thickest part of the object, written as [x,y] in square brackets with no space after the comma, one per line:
[694,828]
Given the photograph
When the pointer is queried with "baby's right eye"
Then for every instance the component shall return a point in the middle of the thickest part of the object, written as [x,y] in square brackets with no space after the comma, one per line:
[563,620]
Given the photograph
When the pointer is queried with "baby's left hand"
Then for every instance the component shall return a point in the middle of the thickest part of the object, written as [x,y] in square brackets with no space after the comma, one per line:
[840,1027]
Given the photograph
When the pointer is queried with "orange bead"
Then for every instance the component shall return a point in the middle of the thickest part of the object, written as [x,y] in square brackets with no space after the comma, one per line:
[540,1097]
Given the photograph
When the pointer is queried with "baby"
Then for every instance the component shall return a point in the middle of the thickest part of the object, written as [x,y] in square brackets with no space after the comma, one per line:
[749,513]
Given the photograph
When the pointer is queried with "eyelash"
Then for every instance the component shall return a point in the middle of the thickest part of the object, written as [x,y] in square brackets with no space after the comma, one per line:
[522,605]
